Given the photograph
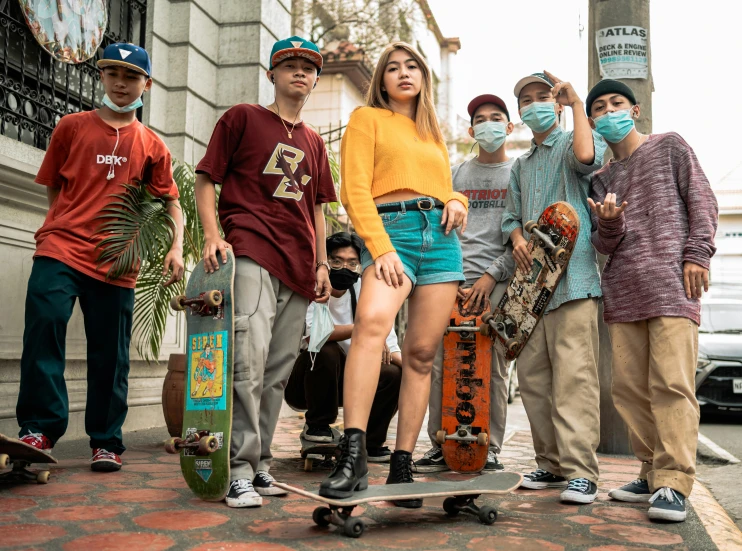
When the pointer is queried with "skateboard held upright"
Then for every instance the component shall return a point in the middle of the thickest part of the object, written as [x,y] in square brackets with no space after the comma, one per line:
[207,419]
[552,239]
[465,412]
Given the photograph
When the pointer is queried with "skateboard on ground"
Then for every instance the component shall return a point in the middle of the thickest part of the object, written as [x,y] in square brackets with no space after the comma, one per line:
[552,239]
[207,419]
[460,498]
[21,455]
[319,451]
[465,411]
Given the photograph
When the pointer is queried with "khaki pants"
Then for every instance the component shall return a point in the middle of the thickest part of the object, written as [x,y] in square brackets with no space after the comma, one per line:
[558,377]
[269,323]
[498,389]
[654,367]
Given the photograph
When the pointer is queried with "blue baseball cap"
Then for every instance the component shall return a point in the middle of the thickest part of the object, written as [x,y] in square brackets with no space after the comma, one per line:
[126,55]
[295,46]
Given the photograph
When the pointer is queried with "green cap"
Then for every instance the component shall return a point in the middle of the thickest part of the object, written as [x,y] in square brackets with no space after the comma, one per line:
[295,46]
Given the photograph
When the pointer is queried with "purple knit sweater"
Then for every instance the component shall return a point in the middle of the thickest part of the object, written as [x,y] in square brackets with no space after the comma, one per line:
[670,219]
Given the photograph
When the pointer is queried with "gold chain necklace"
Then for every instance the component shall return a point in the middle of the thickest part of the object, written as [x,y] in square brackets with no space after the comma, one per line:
[625,161]
[277,112]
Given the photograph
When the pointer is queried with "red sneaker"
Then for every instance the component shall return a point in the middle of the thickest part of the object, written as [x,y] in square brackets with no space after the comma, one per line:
[38,441]
[105,461]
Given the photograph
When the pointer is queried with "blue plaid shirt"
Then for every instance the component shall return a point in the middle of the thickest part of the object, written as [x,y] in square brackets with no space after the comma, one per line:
[548,173]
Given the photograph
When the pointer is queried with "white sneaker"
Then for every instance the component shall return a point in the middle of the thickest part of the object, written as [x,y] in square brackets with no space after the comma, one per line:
[242,494]
[263,484]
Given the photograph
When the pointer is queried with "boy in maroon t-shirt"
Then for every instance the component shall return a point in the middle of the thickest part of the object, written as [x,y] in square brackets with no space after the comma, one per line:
[655,216]
[274,177]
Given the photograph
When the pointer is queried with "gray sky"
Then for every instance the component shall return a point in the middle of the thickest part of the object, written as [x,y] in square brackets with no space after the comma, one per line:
[696,51]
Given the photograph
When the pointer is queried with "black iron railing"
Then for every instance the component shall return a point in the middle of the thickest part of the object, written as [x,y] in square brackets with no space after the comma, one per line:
[35,90]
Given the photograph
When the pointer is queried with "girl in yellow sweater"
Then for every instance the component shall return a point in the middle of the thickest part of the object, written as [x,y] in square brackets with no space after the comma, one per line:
[396,187]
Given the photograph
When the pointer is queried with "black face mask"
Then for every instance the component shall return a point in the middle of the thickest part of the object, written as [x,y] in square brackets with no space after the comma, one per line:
[343,279]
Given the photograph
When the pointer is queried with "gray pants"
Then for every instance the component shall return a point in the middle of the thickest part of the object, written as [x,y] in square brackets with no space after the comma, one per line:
[269,322]
[498,389]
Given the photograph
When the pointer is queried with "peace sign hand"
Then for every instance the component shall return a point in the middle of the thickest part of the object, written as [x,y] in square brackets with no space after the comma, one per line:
[563,92]
[608,209]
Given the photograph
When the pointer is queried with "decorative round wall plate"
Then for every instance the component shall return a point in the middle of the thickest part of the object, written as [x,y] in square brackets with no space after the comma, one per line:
[69,30]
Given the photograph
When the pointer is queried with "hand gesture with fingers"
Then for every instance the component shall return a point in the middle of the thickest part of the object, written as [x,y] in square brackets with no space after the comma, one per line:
[212,247]
[454,215]
[695,279]
[523,259]
[607,210]
[563,92]
[389,268]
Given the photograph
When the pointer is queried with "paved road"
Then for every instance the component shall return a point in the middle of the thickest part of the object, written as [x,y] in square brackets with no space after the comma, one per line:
[724,480]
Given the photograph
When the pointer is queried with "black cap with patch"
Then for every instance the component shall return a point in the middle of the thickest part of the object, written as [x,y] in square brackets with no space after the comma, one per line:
[608,86]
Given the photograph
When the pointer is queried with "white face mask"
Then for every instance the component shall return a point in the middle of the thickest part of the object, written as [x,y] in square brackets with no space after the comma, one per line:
[322,328]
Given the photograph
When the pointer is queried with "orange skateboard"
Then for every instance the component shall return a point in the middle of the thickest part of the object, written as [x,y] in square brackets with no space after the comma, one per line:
[551,243]
[465,413]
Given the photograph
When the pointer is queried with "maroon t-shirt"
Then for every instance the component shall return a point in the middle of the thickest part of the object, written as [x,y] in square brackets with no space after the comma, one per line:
[270,184]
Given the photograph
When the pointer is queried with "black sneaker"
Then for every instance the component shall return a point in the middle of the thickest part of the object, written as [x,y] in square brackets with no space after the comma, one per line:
[633,492]
[580,490]
[493,464]
[541,479]
[431,462]
[400,472]
[378,455]
[317,433]
[667,504]
[263,484]
[242,494]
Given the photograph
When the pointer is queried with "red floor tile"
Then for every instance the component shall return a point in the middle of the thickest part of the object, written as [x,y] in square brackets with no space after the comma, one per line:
[622,514]
[500,543]
[583,519]
[139,496]
[291,529]
[153,468]
[102,526]
[120,541]
[53,489]
[14,535]
[12,504]
[5,518]
[91,477]
[538,507]
[238,546]
[180,520]
[636,534]
[619,548]
[174,483]
[80,512]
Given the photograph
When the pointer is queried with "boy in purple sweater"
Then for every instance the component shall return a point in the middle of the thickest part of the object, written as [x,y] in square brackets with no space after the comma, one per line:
[655,216]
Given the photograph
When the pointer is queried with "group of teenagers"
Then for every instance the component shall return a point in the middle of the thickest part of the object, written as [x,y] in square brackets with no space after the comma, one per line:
[426,233]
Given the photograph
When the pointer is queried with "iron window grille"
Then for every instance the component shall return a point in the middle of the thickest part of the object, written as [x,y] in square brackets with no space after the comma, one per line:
[36,91]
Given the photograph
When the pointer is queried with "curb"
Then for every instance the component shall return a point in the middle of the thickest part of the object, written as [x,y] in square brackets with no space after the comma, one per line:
[721,529]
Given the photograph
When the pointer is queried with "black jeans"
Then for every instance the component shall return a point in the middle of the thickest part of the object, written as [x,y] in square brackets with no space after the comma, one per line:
[320,391]
[43,405]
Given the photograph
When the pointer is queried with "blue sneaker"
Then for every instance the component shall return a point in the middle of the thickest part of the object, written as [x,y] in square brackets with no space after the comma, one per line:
[633,492]
[667,504]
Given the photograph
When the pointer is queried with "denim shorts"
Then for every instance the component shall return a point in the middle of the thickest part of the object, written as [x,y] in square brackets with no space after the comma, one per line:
[429,255]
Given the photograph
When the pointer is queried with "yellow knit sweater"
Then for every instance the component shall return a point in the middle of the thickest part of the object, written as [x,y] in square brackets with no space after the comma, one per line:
[381,152]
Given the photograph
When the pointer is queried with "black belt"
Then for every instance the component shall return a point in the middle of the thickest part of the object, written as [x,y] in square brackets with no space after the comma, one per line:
[422,204]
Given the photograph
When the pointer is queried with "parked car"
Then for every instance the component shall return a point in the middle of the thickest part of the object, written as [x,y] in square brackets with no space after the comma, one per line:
[719,369]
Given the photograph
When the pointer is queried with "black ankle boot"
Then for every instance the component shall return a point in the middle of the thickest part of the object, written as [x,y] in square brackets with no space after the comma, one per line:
[350,473]
[400,472]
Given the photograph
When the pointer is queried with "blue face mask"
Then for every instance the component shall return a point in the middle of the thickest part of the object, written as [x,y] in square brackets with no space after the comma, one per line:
[539,116]
[615,126]
[125,109]
[490,135]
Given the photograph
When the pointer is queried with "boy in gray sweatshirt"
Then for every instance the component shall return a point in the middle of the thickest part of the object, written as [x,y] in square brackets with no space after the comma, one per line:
[488,264]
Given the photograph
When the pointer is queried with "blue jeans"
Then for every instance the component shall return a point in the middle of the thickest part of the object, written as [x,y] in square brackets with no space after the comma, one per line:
[428,255]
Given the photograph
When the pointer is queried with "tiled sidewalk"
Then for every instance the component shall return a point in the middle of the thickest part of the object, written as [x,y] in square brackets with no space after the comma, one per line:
[148,507]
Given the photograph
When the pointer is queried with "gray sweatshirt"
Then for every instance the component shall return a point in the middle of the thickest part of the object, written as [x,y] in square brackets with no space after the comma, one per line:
[486,187]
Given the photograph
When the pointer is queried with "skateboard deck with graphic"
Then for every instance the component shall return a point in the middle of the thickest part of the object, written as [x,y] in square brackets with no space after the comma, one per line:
[552,240]
[313,452]
[460,496]
[20,455]
[465,412]
[207,420]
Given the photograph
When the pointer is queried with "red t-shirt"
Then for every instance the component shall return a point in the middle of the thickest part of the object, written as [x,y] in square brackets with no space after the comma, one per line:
[80,155]
[270,184]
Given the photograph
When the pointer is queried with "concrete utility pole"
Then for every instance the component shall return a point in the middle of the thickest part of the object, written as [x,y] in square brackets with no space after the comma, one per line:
[622,17]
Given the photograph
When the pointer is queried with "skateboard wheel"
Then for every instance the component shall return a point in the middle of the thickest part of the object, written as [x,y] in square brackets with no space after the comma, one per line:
[4,460]
[559,254]
[307,465]
[440,437]
[486,317]
[487,515]
[176,303]
[512,345]
[42,477]
[353,527]
[171,446]
[530,225]
[208,444]
[449,506]
[484,329]
[321,516]
[483,438]
[213,298]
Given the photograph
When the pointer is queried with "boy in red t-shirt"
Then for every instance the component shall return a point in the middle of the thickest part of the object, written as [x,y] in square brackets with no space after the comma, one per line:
[90,156]
[274,177]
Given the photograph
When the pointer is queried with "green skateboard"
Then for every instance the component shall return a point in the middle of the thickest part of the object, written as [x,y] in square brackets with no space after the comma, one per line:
[207,419]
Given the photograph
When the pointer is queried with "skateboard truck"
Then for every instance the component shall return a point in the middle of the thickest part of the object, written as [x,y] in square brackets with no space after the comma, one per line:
[463,434]
[558,254]
[201,441]
[208,303]
[20,473]
[506,328]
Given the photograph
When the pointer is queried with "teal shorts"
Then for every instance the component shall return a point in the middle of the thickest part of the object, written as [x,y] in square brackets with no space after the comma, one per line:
[428,255]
